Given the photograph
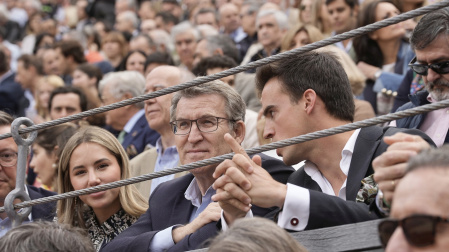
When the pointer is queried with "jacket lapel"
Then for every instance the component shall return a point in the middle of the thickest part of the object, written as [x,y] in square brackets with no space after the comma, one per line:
[183,207]
[365,146]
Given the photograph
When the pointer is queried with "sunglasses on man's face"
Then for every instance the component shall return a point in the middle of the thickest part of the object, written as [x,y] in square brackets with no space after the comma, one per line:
[419,230]
[422,69]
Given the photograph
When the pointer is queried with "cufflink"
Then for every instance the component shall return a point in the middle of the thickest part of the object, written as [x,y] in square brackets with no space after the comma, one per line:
[294,221]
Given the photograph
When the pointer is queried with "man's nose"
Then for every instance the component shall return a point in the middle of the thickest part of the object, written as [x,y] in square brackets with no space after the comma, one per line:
[432,75]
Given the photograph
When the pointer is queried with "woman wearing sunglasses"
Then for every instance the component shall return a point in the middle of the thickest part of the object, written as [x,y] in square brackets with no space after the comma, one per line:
[383,55]
[90,158]
[419,214]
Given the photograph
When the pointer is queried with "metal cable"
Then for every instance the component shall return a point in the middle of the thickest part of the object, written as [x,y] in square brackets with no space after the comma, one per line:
[235,70]
[295,140]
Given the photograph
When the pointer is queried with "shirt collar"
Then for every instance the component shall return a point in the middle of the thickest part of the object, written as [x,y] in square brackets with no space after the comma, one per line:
[131,122]
[169,150]
[193,193]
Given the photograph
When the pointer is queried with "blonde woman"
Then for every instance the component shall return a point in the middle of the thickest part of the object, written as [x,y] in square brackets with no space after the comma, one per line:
[300,35]
[45,86]
[93,157]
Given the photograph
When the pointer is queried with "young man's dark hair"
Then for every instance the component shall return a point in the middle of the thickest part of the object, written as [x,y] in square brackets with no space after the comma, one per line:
[67,90]
[320,72]
[216,61]
[167,17]
[350,3]
[30,60]
[71,48]
[159,58]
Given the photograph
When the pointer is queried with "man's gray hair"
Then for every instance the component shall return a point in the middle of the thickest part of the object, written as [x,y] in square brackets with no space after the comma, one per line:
[429,28]
[184,27]
[281,18]
[46,236]
[161,37]
[225,43]
[430,159]
[235,108]
[125,82]
[132,17]
[254,7]
[132,4]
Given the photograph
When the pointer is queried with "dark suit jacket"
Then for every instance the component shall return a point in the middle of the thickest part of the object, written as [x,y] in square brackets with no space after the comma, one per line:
[168,207]
[327,210]
[140,135]
[12,99]
[45,211]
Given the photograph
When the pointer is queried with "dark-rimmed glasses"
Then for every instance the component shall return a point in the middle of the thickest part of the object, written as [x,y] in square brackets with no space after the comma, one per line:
[422,69]
[8,159]
[419,230]
[204,124]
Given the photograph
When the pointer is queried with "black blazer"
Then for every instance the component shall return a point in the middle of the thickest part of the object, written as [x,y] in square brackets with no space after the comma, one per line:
[169,207]
[12,98]
[45,211]
[327,210]
[140,135]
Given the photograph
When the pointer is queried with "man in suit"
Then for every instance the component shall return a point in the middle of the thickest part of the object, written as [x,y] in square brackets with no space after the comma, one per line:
[135,134]
[12,98]
[335,185]
[8,165]
[181,215]
[157,113]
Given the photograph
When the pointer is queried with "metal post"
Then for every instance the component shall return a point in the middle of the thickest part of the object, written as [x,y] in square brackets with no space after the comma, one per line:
[17,217]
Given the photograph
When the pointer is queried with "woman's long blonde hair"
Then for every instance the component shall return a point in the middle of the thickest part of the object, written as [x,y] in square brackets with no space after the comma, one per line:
[70,211]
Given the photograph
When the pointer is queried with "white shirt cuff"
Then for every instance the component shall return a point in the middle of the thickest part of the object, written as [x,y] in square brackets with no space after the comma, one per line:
[296,210]
[224,225]
[162,240]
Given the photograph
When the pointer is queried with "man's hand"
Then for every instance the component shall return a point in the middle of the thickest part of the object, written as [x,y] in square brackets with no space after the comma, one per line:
[243,181]
[208,215]
[368,70]
[390,167]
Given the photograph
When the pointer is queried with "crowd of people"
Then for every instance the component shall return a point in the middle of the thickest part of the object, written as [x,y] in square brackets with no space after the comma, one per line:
[61,57]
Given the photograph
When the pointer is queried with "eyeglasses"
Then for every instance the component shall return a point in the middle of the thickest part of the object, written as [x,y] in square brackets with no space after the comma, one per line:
[422,69]
[205,124]
[419,230]
[8,159]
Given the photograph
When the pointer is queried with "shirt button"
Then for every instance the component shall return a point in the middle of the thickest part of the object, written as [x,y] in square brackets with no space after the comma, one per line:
[294,221]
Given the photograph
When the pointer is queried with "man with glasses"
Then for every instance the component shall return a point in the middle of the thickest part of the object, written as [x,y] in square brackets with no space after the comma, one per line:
[429,40]
[419,215]
[8,167]
[181,214]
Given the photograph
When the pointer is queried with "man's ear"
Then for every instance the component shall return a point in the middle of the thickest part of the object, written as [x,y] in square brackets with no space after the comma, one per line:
[309,98]
[239,131]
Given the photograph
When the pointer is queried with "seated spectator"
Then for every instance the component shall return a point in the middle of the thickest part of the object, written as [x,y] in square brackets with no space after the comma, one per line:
[44,41]
[114,47]
[44,88]
[45,236]
[12,98]
[216,109]
[50,60]
[419,218]
[383,55]
[47,148]
[157,113]
[165,21]
[31,30]
[87,76]
[255,235]
[315,13]
[65,101]
[300,35]
[186,38]
[134,61]
[142,42]
[271,26]
[432,55]
[135,134]
[127,21]
[327,191]
[93,157]
[8,164]
[70,54]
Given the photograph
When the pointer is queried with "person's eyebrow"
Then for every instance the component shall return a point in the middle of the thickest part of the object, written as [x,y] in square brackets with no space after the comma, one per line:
[267,110]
